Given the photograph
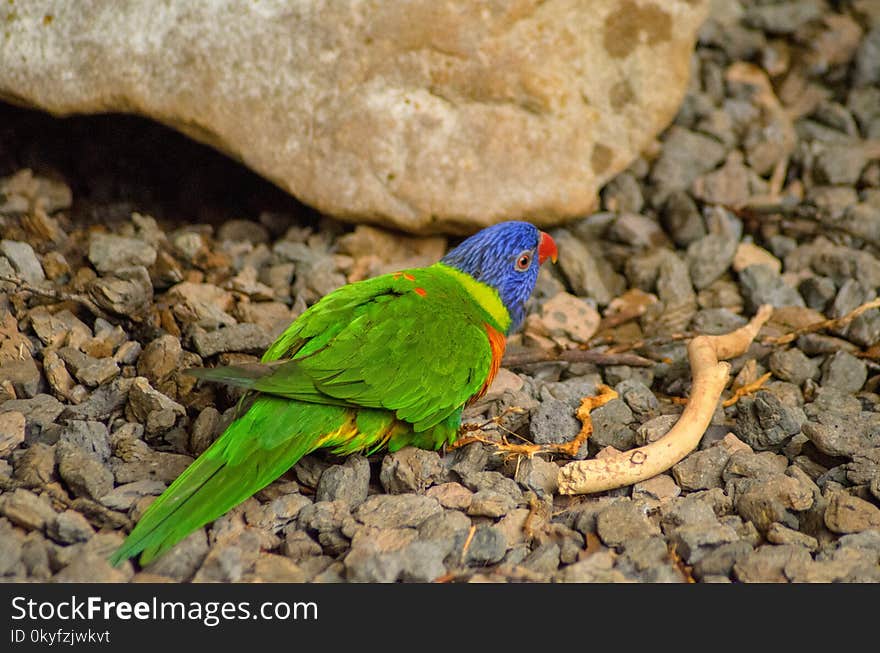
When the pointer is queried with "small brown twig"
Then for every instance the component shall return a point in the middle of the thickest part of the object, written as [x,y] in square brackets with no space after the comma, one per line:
[836,323]
[59,295]
[709,378]
[747,389]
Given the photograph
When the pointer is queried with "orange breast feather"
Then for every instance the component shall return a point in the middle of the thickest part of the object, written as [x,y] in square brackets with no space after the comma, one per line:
[497,342]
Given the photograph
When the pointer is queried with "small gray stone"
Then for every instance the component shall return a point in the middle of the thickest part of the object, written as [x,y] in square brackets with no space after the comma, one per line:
[102,403]
[538,475]
[585,268]
[793,365]
[24,260]
[817,291]
[126,291]
[11,543]
[489,503]
[444,525]
[654,429]
[766,422]
[710,257]
[109,252]
[182,560]
[487,546]
[597,568]
[248,338]
[840,164]
[844,372]
[848,514]
[83,473]
[702,470]
[69,527]
[150,407]
[717,321]
[721,560]
[88,370]
[36,465]
[90,436]
[867,59]
[639,398]
[12,427]
[685,156]
[396,511]
[761,285]
[624,520]
[553,423]
[123,497]
[26,509]
[23,374]
[695,541]
[349,482]
[410,470]
[610,426]
[682,220]
[779,534]
[623,194]
[451,495]
[160,358]
[479,481]
[767,563]
[298,545]
[544,559]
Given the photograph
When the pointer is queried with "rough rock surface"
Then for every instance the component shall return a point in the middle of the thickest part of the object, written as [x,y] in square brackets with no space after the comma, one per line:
[425,116]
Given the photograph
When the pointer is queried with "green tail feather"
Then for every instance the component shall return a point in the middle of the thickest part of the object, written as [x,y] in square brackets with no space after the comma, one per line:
[256,449]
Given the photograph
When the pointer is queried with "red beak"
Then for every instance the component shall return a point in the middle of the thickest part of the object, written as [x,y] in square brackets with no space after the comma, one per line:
[547,248]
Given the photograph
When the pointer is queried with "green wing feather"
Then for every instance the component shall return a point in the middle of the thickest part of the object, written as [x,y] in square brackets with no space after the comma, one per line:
[372,363]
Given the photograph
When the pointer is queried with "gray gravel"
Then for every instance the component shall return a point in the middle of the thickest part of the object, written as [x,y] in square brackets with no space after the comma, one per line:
[137,283]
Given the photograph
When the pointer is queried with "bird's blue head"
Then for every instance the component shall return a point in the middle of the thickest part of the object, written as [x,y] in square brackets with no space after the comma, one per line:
[506,256]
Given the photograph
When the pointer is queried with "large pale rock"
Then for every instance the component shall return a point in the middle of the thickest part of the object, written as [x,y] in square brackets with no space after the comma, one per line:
[421,114]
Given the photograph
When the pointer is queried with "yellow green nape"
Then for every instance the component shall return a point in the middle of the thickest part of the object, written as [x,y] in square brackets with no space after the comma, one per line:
[486,296]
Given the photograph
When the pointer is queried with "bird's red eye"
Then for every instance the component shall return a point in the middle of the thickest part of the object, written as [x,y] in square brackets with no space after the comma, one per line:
[523,261]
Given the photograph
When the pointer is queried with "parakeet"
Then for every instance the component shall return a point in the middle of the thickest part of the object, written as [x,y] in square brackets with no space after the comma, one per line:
[389,361]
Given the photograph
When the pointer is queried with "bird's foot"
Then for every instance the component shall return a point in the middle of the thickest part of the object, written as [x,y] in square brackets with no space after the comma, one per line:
[570,448]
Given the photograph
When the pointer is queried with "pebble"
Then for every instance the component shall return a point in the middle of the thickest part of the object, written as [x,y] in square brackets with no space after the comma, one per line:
[396,511]
[660,488]
[761,285]
[24,260]
[553,422]
[624,520]
[767,563]
[848,514]
[410,470]
[26,509]
[766,421]
[247,338]
[12,429]
[451,495]
[348,482]
[536,474]
[487,546]
[610,426]
[793,365]
[701,470]
[70,527]
[109,252]
[844,372]
[85,475]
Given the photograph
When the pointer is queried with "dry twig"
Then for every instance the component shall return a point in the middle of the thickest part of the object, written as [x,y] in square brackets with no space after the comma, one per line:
[709,378]
[836,323]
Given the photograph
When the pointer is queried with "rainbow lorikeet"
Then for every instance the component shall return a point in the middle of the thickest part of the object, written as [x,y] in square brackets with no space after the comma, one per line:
[389,361]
